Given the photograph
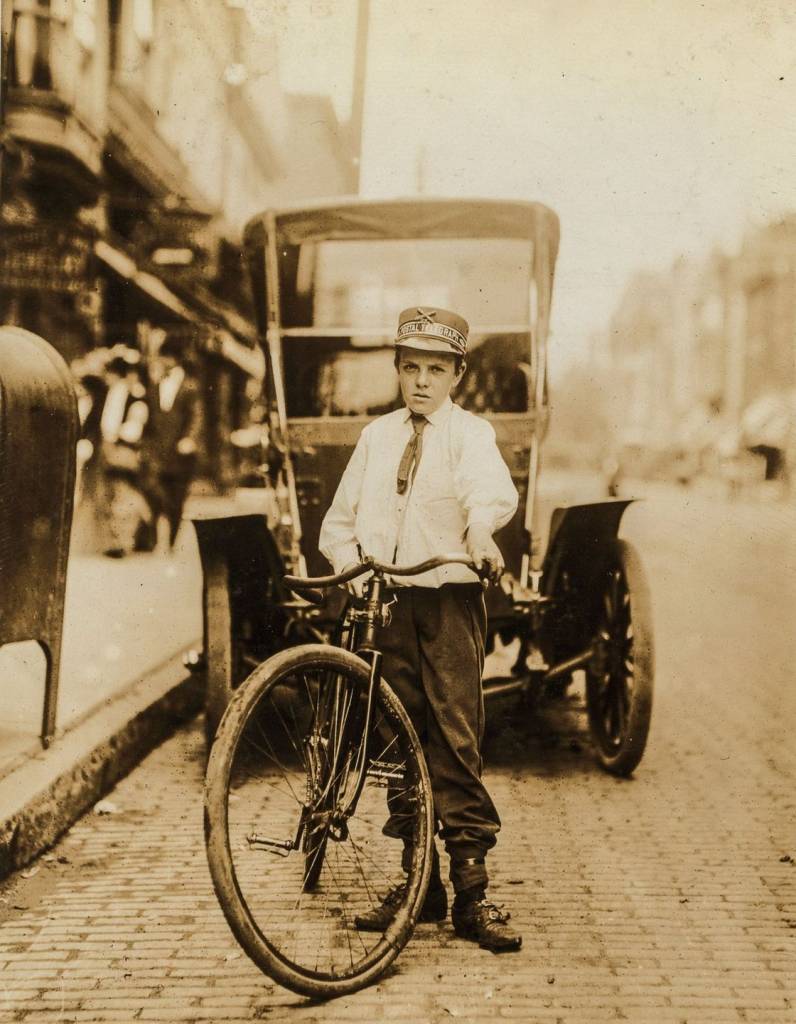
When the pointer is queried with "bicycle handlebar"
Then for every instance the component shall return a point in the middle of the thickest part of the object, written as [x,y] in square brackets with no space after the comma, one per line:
[371,565]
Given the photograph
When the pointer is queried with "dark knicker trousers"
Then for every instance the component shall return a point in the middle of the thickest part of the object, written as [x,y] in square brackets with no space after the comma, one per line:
[433,659]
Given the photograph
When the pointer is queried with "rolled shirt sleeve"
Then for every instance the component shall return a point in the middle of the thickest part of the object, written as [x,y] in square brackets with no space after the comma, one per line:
[337,541]
[483,482]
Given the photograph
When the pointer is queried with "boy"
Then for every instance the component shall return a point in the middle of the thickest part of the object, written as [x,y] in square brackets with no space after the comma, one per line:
[427,480]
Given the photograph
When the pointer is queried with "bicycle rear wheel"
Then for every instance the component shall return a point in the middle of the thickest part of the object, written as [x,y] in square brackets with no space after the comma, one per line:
[290,876]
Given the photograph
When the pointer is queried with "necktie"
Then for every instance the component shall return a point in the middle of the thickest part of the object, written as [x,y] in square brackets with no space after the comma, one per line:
[410,459]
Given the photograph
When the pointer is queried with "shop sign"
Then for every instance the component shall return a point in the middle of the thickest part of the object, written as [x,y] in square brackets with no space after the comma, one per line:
[178,239]
[44,259]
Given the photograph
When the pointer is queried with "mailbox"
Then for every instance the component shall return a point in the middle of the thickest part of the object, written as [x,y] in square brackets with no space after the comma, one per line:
[38,434]
[243,598]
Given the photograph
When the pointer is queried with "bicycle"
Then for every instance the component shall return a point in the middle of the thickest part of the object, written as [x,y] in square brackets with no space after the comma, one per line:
[294,801]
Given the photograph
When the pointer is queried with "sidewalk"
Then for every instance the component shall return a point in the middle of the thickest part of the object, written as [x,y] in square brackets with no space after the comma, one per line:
[122,689]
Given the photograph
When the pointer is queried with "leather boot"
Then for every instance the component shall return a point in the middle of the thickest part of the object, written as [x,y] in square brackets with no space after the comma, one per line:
[379,918]
[484,922]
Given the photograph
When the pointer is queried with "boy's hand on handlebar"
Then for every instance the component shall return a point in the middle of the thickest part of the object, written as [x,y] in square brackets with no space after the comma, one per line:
[356,586]
[484,552]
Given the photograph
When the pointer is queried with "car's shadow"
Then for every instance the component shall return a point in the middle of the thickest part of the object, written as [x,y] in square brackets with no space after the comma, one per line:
[539,735]
[525,732]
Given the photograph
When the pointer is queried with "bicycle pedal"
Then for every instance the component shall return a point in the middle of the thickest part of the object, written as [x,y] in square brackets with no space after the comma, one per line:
[281,847]
[382,773]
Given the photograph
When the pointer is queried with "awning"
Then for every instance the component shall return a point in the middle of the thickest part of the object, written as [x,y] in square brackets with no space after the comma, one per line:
[221,341]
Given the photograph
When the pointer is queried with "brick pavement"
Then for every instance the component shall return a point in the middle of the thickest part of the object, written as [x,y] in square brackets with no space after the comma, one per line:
[670,898]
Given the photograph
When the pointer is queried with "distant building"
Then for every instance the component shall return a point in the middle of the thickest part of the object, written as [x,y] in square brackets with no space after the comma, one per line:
[762,284]
[318,160]
[707,351]
[639,342]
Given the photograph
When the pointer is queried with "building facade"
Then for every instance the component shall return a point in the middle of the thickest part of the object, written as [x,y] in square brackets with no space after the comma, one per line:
[705,352]
[762,284]
[139,136]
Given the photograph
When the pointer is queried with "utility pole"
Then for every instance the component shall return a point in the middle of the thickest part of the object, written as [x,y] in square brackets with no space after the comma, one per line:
[358,92]
[7,15]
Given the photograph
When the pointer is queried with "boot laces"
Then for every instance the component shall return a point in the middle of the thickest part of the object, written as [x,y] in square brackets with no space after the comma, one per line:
[494,911]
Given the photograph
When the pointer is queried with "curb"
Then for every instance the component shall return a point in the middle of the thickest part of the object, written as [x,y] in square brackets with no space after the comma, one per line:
[46,795]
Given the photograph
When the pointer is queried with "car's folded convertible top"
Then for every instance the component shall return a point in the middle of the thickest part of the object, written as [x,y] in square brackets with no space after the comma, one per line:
[411,218]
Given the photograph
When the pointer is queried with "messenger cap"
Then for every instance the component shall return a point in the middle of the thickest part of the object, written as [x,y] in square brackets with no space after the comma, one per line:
[431,329]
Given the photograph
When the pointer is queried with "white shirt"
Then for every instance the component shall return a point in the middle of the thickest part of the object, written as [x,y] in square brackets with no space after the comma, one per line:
[461,480]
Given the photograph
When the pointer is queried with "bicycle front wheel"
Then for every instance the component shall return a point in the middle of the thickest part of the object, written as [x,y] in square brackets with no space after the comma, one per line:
[292,873]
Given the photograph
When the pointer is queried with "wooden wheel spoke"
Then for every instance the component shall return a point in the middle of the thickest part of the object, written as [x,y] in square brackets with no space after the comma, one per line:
[615,711]
[613,598]
[619,687]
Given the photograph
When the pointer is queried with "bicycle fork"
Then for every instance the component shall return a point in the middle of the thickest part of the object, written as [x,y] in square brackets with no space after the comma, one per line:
[321,812]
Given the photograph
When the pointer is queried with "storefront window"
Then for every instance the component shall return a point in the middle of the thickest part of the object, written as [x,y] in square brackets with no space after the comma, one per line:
[30,45]
[143,21]
[132,25]
[85,23]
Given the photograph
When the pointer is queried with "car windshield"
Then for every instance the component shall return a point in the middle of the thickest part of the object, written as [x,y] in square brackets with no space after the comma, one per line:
[340,302]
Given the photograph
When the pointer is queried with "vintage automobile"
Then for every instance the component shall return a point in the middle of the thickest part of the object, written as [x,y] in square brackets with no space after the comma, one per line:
[329,279]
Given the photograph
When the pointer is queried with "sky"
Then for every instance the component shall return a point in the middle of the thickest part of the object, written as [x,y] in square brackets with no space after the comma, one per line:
[654,129]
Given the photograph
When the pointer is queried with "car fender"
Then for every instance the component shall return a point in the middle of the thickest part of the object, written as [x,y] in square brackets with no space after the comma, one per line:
[580,536]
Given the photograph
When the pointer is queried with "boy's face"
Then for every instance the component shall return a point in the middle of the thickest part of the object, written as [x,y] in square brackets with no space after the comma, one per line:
[426,378]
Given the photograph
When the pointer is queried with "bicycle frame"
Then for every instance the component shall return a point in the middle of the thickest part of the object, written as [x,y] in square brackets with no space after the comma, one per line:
[363,618]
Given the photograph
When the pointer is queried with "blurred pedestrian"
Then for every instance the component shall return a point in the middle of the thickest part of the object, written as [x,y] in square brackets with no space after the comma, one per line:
[126,515]
[90,388]
[171,440]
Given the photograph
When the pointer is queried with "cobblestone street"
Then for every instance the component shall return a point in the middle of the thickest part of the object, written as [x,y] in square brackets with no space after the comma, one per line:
[670,897]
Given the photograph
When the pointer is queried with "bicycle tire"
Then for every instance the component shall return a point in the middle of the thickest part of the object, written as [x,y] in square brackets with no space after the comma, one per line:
[304,939]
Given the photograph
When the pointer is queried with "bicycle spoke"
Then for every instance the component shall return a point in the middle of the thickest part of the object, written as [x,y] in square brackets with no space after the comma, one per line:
[271,753]
[340,730]
[345,920]
[362,874]
[328,931]
[371,860]
[293,743]
[309,694]
[275,786]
